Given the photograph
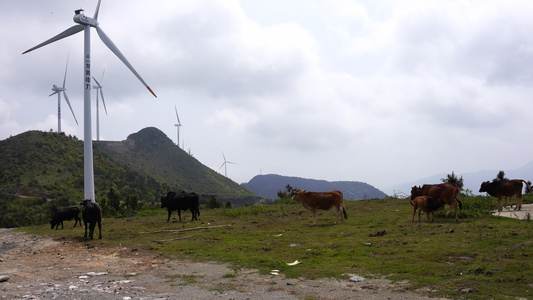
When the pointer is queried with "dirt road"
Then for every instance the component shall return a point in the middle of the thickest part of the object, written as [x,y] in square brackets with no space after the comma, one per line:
[37,267]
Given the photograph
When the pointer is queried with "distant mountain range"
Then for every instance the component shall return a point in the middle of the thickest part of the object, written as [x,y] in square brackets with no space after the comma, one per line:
[472,180]
[267,186]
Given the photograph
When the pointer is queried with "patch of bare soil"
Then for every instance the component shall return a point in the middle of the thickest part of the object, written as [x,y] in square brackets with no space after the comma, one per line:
[38,267]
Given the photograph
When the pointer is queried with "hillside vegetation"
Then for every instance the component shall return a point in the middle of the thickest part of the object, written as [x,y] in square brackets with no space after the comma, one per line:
[40,171]
[268,186]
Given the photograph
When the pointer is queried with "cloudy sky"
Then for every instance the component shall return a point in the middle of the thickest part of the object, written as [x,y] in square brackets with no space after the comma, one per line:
[383,92]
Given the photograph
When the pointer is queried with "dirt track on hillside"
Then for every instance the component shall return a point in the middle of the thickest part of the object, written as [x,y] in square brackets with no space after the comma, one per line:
[41,267]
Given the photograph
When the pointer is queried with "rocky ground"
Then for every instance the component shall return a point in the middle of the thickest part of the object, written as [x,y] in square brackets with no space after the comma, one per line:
[38,267]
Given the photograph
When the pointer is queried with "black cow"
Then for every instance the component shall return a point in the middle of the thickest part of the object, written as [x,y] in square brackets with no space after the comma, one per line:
[91,214]
[65,214]
[173,201]
[505,188]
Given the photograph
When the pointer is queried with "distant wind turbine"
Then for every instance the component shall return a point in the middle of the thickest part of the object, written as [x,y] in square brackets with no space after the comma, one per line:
[62,90]
[225,164]
[98,87]
[178,125]
[84,24]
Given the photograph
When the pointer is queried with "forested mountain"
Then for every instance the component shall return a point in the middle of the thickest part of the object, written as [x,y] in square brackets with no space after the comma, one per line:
[38,167]
[268,185]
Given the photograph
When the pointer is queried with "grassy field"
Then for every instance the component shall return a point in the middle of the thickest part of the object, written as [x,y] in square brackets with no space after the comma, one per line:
[480,257]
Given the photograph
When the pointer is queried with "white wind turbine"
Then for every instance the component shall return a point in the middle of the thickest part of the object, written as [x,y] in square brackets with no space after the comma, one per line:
[225,164]
[98,87]
[62,90]
[177,125]
[84,24]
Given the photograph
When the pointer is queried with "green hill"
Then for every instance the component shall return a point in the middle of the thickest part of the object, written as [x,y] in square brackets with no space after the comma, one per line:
[37,168]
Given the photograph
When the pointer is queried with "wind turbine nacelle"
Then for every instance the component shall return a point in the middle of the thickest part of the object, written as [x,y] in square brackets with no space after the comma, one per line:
[84,20]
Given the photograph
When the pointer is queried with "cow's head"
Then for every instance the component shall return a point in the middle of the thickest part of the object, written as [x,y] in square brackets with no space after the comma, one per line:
[163,201]
[484,186]
[296,194]
[415,192]
[85,202]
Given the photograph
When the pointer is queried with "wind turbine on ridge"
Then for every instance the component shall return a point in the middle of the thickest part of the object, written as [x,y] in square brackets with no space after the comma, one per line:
[62,90]
[84,24]
[225,164]
[98,87]
[177,125]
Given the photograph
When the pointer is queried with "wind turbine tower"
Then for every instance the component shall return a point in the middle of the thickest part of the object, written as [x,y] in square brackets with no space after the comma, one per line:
[62,90]
[177,125]
[84,24]
[225,165]
[98,87]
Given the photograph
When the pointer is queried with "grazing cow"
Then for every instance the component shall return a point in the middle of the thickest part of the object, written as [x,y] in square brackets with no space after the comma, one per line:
[91,214]
[426,204]
[325,201]
[65,214]
[445,192]
[506,188]
[183,201]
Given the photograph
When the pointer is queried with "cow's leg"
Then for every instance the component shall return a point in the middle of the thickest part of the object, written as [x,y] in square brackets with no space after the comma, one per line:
[314,216]
[500,207]
[414,213]
[169,213]
[427,213]
[85,236]
[456,212]
[91,229]
[419,212]
[519,202]
[179,215]
[100,229]
[61,224]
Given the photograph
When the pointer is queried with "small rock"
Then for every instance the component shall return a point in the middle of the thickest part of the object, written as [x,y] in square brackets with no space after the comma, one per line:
[356,278]
[4,278]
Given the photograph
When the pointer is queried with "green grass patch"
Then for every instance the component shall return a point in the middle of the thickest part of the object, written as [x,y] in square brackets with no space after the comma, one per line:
[479,257]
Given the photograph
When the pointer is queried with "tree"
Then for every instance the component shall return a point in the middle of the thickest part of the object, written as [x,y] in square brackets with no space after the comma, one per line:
[214,203]
[500,177]
[529,189]
[452,178]
[287,193]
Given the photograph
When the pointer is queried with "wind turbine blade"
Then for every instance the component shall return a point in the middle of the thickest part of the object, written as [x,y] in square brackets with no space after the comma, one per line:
[224,156]
[107,41]
[96,82]
[68,102]
[103,101]
[96,12]
[72,30]
[177,117]
[65,78]
[53,93]
[221,166]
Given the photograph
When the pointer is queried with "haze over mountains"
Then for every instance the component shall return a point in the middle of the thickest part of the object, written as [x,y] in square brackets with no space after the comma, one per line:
[472,180]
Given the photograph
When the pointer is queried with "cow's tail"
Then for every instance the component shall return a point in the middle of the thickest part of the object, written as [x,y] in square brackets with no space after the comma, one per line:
[457,199]
[411,201]
[344,212]
[343,208]
[527,184]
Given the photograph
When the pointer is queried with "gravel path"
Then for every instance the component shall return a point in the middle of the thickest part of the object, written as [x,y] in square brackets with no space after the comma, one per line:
[38,267]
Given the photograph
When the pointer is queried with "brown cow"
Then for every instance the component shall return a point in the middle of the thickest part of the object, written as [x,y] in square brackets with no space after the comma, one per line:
[325,201]
[506,188]
[445,192]
[426,204]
